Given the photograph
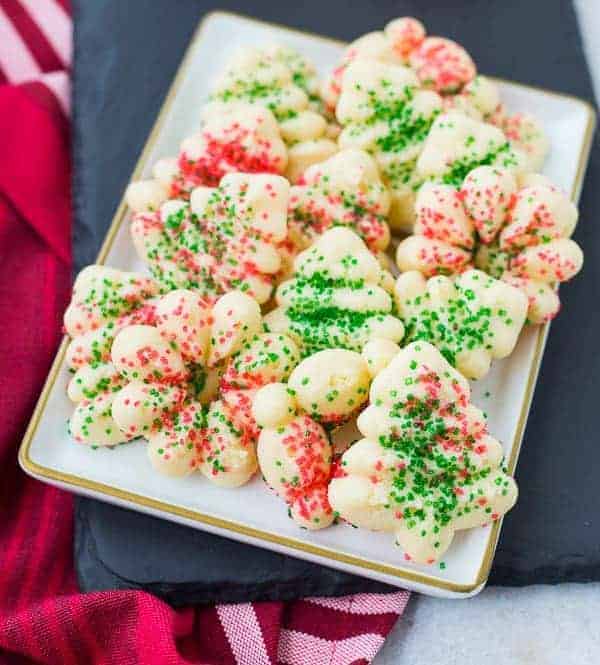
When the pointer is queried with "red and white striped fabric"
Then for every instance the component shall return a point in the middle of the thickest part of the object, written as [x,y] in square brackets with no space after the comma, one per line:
[43,617]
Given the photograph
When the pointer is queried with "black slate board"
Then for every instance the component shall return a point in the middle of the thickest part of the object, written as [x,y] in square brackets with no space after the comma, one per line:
[183,566]
[126,54]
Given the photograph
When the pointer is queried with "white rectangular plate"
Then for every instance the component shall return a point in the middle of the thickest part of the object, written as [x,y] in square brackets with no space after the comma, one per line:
[252,514]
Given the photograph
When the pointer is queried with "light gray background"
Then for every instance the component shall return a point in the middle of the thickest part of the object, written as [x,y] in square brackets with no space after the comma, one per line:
[538,625]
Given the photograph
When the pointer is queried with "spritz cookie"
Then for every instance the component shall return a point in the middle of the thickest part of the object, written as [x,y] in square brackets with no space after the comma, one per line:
[427,465]
[440,64]
[103,301]
[224,238]
[294,452]
[233,138]
[184,380]
[345,190]
[281,80]
[471,319]
[516,228]
[339,296]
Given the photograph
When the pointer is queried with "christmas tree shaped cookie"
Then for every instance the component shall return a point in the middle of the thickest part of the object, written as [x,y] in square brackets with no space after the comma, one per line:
[427,465]
[338,297]
[384,111]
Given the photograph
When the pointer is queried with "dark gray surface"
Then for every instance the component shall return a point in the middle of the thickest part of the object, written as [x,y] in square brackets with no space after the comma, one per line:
[117,549]
[126,54]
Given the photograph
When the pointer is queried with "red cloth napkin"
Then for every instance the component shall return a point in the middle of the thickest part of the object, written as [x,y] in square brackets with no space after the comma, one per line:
[43,617]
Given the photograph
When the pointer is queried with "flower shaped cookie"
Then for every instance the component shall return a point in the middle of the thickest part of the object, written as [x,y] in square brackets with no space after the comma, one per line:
[338,297]
[519,229]
[471,319]
[427,466]
[294,451]
[236,137]
[185,383]
[176,330]
[344,190]
[282,81]
[225,238]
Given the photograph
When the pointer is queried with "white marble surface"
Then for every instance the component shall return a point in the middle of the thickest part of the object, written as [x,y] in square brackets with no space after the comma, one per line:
[540,625]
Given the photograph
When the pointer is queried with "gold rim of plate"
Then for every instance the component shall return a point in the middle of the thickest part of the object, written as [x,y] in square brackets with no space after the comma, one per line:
[136,500]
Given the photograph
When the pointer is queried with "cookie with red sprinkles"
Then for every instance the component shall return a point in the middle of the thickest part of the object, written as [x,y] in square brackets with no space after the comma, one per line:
[149,366]
[427,465]
[103,301]
[388,90]
[294,451]
[281,80]
[184,380]
[237,137]
[225,238]
[102,294]
[516,228]
[345,190]
[439,63]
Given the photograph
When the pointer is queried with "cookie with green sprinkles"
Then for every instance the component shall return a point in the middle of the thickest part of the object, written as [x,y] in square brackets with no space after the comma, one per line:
[338,297]
[228,451]
[92,422]
[184,381]
[440,64]
[89,381]
[102,294]
[345,190]
[427,465]
[378,93]
[384,110]
[462,139]
[516,228]
[224,239]
[471,319]
[294,452]
[165,401]
[282,81]
[104,301]
[457,144]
